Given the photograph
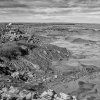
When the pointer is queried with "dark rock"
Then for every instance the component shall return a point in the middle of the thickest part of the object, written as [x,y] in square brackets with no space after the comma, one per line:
[86,86]
[81,83]
[5,71]
[4,98]
[91,98]
[23,77]
[24,51]
[89,69]
[13,98]
[35,96]
[24,98]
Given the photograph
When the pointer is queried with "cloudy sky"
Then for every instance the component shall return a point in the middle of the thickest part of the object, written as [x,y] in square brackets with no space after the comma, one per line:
[79,11]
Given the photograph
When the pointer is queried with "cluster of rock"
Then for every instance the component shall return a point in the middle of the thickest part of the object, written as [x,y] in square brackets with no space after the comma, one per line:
[14,93]
[17,93]
[52,95]
[24,63]
[32,54]
[11,34]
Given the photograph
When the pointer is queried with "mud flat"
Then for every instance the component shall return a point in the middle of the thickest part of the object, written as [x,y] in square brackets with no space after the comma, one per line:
[61,57]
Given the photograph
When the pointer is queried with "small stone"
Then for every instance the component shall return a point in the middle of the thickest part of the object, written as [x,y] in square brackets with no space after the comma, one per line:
[28,96]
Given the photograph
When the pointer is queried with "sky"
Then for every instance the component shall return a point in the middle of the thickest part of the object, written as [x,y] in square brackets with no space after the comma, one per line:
[74,11]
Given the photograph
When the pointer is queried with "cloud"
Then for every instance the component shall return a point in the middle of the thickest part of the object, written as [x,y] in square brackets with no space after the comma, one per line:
[50,10]
[11,4]
[48,3]
[73,18]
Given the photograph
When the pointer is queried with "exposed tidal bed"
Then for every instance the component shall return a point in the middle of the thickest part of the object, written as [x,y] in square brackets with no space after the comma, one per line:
[36,58]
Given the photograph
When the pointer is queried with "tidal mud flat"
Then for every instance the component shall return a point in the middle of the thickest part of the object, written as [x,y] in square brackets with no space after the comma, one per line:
[36,58]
